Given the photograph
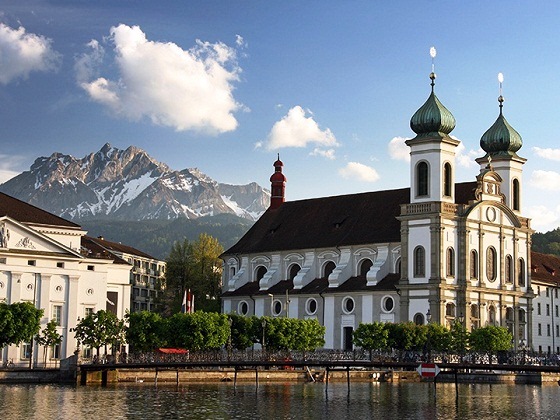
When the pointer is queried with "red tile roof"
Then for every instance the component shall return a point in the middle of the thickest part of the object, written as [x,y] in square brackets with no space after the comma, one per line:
[545,268]
[26,213]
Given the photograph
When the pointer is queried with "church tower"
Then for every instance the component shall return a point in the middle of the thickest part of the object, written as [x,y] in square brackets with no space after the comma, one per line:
[432,151]
[278,185]
[501,143]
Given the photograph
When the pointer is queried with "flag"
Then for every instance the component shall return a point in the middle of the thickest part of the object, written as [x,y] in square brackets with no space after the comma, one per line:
[189,301]
[184,305]
[192,303]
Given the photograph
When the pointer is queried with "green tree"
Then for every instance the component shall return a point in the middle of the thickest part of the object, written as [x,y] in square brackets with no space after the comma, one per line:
[19,322]
[243,331]
[198,331]
[459,338]
[196,267]
[49,337]
[406,336]
[490,339]
[98,329]
[439,336]
[374,336]
[146,331]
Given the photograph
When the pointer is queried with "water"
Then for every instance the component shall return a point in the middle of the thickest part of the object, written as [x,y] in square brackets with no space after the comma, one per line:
[281,401]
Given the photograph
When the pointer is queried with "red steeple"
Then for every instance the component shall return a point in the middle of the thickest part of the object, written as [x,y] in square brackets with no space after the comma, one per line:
[278,187]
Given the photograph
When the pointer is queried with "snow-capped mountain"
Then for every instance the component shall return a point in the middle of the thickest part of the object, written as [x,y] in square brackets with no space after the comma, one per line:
[129,185]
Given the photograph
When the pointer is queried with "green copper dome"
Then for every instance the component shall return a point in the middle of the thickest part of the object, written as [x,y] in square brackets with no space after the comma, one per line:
[432,118]
[501,138]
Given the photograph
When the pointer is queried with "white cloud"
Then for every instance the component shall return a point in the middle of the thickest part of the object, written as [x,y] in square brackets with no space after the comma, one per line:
[8,165]
[327,154]
[183,89]
[296,129]
[398,150]
[544,219]
[551,154]
[467,159]
[358,171]
[21,53]
[545,180]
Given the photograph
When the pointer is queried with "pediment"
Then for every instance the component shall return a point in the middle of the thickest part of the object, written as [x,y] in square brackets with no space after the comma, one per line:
[494,213]
[17,237]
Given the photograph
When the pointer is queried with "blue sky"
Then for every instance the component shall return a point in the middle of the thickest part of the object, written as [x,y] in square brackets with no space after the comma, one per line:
[330,85]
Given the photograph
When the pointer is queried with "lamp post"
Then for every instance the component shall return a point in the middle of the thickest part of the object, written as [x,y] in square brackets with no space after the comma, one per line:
[428,340]
[230,322]
[263,324]
[271,303]
[461,332]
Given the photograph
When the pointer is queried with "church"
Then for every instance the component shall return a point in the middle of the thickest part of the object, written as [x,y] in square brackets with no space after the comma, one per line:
[436,251]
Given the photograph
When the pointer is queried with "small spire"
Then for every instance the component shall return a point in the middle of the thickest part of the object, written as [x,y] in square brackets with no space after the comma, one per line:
[433,76]
[501,98]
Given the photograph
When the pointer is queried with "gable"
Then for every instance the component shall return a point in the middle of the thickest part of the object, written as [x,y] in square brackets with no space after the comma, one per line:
[15,237]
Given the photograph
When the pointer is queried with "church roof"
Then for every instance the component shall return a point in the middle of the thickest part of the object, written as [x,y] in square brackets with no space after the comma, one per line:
[27,213]
[327,222]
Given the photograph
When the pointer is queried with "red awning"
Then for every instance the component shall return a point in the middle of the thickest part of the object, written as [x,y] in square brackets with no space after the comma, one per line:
[172,351]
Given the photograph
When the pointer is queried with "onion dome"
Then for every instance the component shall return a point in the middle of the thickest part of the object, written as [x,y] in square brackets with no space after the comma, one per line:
[432,119]
[501,138]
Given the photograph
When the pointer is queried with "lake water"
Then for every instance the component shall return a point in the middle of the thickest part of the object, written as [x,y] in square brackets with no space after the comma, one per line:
[281,401]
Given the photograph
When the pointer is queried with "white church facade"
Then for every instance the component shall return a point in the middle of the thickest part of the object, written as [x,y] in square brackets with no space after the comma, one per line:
[447,249]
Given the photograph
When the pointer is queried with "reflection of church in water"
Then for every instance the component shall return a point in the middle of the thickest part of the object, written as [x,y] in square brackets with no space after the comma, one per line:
[455,251]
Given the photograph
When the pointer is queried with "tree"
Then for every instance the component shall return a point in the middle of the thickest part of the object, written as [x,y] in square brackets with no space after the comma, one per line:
[406,336]
[101,328]
[490,339]
[198,331]
[243,331]
[49,337]
[194,266]
[19,322]
[374,336]
[145,331]
[459,338]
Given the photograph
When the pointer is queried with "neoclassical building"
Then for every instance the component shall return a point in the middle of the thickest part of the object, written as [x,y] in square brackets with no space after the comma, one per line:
[451,250]
[51,263]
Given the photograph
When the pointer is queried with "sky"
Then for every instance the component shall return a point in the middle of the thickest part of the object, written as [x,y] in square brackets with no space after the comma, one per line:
[331,86]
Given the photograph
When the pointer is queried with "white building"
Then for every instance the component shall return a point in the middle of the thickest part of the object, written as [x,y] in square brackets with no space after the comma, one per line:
[455,250]
[49,262]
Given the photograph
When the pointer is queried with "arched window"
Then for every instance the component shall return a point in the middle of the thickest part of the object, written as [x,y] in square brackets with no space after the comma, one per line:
[491,315]
[365,265]
[260,272]
[447,179]
[474,264]
[491,267]
[419,262]
[475,317]
[450,262]
[419,319]
[520,272]
[422,179]
[508,269]
[398,266]
[450,310]
[328,268]
[292,272]
[515,195]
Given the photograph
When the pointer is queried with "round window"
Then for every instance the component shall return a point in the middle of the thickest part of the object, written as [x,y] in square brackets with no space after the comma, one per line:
[276,308]
[348,305]
[388,304]
[243,308]
[311,306]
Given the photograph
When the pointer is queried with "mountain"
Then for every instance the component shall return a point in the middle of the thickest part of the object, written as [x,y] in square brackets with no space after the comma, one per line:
[129,185]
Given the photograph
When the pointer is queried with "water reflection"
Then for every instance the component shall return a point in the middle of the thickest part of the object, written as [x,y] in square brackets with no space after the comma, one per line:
[280,401]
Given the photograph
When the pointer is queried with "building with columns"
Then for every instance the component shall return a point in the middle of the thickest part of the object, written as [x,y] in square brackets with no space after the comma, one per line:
[50,262]
[439,247]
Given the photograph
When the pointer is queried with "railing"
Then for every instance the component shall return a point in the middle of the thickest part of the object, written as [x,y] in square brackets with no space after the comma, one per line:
[330,356]
[430,207]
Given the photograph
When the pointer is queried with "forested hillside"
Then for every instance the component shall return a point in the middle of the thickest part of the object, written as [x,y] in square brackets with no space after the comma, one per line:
[156,237]
[547,243]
